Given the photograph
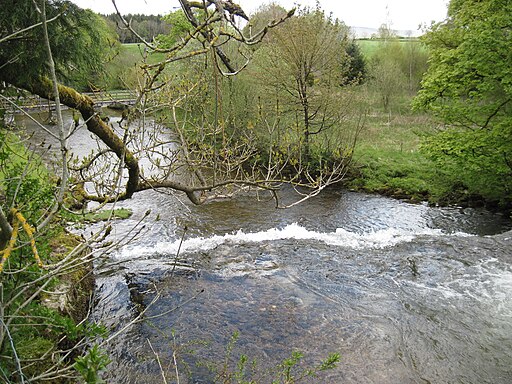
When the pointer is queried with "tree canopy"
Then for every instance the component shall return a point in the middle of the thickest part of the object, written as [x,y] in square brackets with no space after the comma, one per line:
[469,86]
[305,64]
[147,26]
[79,38]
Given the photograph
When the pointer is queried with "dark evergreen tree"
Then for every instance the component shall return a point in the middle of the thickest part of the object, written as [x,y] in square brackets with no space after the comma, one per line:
[357,72]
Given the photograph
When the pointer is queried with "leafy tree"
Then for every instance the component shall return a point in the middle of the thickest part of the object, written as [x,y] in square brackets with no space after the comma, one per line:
[79,38]
[357,71]
[387,77]
[469,87]
[180,27]
[414,62]
[396,66]
[264,15]
[304,63]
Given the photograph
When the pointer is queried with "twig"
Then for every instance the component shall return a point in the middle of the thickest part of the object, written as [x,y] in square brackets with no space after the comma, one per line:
[158,361]
[16,358]
[176,367]
[178,251]
[28,28]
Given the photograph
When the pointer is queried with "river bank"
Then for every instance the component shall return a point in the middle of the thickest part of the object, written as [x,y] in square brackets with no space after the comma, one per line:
[389,159]
[47,277]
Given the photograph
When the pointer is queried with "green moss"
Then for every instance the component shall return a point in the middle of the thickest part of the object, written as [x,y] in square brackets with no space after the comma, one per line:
[32,348]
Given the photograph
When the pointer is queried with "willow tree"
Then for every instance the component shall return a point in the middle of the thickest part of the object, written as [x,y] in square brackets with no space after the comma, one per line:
[80,41]
[468,86]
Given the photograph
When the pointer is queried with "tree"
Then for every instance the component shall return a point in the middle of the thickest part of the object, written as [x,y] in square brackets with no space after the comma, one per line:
[304,64]
[387,77]
[415,62]
[79,38]
[357,71]
[468,86]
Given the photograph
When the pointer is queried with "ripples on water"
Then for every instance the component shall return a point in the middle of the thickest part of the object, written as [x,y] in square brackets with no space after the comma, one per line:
[405,293]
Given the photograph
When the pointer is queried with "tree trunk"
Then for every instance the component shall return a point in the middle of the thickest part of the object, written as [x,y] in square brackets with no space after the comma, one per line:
[85,105]
[5,230]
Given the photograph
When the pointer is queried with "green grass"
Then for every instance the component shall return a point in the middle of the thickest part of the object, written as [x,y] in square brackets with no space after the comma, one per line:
[370,46]
[388,159]
[133,53]
[391,172]
[123,71]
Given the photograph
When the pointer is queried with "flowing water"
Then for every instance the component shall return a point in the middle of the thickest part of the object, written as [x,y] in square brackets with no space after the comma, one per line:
[404,293]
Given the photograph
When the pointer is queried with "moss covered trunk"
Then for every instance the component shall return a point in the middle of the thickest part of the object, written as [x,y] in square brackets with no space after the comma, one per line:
[85,105]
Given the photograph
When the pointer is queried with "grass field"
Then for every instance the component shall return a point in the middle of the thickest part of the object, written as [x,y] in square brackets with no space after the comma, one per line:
[133,53]
[370,46]
[387,155]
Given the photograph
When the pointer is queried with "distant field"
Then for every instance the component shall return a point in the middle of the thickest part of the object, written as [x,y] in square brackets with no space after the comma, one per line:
[134,52]
[370,46]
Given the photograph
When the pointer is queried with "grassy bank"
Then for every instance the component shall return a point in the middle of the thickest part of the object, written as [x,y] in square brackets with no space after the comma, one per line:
[123,70]
[388,159]
[135,52]
[46,276]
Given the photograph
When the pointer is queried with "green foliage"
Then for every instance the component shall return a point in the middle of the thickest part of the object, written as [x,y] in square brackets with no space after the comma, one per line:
[391,172]
[265,14]
[301,75]
[80,41]
[472,157]
[291,370]
[37,329]
[90,365]
[388,158]
[357,71]
[396,65]
[180,28]
[469,87]
[123,71]
[386,75]
[24,181]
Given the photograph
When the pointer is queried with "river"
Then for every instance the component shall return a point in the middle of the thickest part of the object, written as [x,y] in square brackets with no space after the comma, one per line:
[404,293]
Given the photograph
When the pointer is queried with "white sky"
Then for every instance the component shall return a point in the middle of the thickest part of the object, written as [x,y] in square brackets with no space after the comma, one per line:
[401,14]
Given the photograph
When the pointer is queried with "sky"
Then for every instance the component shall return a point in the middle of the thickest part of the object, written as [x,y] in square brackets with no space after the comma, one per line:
[400,14]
